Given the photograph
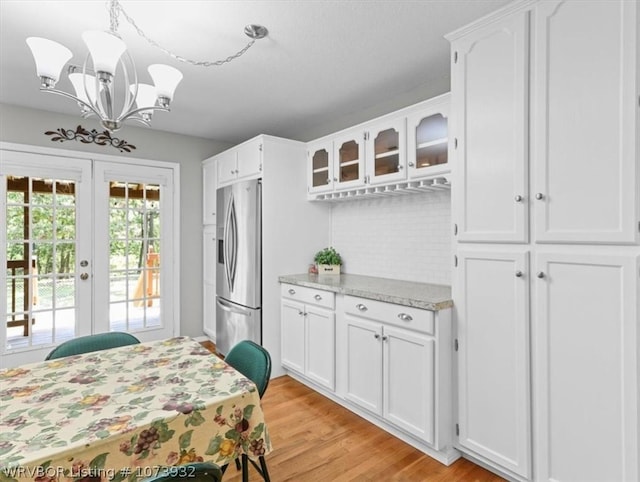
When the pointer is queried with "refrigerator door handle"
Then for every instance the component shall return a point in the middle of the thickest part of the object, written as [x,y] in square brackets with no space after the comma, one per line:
[227,244]
[234,246]
[226,306]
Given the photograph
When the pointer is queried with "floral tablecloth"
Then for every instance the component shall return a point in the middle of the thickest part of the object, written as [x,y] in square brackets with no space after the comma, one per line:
[125,413]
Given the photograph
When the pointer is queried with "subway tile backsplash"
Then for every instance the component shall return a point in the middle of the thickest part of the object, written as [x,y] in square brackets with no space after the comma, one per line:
[404,237]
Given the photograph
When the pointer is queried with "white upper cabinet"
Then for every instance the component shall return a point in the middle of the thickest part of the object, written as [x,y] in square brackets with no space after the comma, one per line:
[249,161]
[489,99]
[384,155]
[428,139]
[241,162]
[386,151]
[578,108]
[226,163]
[209,186]
[348,157]
[585,128]
[320,172]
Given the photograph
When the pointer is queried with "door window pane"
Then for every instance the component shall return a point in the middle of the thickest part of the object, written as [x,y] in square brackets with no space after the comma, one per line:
[431,141]
[349,159]
[320,166]
[134,257]
[387,155]
[40,288]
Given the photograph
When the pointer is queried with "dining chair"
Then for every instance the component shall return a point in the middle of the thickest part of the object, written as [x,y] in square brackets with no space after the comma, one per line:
[254,362]
[87,344]
[194,472]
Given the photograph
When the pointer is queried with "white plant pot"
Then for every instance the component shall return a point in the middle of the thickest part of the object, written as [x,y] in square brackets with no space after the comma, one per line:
[328,269]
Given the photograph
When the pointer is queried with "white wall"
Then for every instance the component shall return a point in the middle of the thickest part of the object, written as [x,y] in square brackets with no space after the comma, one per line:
[27,126]
[402,237]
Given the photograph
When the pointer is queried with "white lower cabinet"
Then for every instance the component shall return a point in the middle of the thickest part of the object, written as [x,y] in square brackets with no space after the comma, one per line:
[492,335]
[585,353]
[391,364]
[583,360]
[391,373]
[308,333]
[209,280]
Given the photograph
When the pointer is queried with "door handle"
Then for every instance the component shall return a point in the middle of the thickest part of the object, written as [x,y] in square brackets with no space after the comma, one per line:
[231,309]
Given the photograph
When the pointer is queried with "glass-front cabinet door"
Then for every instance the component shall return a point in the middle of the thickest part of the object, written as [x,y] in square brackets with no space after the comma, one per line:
[349,160]
[320,167]
[386,152]
[428,142]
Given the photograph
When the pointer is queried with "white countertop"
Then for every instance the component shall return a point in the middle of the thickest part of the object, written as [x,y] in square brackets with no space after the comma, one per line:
[407,293]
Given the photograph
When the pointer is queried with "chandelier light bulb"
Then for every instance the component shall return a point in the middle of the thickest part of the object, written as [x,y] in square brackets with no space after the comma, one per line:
[105,49]
[166,79]
[50,57]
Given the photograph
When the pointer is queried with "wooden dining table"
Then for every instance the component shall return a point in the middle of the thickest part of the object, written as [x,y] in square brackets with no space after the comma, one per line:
[127,413]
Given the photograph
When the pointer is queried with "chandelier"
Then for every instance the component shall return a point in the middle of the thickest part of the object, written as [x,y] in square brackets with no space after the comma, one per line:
[107,82]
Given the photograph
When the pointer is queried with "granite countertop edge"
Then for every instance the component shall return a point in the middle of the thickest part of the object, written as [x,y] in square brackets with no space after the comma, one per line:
[386,289]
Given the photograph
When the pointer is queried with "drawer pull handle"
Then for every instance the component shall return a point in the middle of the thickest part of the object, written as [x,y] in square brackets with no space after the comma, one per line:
[318,297]
[361,307]
[405,317]
[292,291]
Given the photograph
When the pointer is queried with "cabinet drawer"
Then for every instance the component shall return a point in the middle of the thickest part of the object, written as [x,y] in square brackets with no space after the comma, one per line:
[391,314]
[307,295]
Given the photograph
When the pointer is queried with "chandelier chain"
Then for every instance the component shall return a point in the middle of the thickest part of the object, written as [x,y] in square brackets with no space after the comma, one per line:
[117,8]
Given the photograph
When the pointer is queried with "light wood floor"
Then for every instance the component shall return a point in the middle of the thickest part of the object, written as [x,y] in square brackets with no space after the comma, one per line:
[315,439]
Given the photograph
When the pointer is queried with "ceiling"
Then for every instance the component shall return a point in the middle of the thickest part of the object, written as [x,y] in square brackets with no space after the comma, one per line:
[323,60]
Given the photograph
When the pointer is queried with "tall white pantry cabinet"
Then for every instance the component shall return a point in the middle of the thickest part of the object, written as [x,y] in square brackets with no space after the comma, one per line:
[545,120]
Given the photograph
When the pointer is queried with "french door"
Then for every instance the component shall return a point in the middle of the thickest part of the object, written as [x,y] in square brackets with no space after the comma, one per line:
[88,249]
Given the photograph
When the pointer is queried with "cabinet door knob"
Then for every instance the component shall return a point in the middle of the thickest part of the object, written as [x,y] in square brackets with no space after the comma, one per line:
[540,274]
[328,180]
[84,276]
[385,338]
[301,313]
[518,198]
[292,291]
[318,297]
[539,196]
[405,317]
[361,307]
[335,179]
[400,167]
[411,164]
[519,274]
[377,336]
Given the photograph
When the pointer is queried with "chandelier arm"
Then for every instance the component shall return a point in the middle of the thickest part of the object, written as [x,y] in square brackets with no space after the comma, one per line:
[131,113]
[73,97]
[201,63]
[141,120]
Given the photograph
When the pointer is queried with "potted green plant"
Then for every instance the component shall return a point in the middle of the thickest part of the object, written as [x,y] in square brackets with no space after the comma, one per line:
[328,261]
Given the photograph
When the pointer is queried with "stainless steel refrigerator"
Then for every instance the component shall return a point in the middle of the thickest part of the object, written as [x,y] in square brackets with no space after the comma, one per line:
[239,265]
